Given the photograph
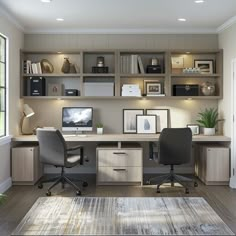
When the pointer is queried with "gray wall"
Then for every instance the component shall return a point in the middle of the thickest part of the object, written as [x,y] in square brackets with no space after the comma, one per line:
[109,112]
[15,39]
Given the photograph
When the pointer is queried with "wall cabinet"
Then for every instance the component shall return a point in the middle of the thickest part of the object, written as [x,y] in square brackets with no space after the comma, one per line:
[26,168]
[212,164]
[119,67]
[122,166]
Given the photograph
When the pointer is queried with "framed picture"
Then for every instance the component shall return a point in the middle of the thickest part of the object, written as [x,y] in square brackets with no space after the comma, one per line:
[146,124]
[195,128]
[129,120]
[153,88]
[146,82]
[177,62]
[162,118]
[206,66]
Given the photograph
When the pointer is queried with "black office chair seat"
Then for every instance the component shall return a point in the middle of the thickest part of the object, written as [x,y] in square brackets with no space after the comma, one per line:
[175,148]
[54,151]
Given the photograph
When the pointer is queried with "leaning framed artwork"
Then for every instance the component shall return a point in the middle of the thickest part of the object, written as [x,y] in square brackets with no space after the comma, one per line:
[153,88]
[205,66]
[146,124]
[162,118]
[129,120]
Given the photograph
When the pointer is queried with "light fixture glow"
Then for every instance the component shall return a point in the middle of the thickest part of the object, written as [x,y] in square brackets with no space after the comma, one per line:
[60,19]
[46,1]
[199,1]
[181,19]
[188,52]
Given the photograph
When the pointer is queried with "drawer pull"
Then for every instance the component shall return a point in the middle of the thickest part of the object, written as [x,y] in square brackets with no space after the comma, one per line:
[119,153]
[119,169]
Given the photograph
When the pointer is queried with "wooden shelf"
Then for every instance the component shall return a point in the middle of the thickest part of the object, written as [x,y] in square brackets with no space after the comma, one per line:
[142,75]
[195,75]
[53,75]
[98,75]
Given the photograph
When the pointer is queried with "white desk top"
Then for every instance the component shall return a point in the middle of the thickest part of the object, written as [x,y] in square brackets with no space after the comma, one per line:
[122,138]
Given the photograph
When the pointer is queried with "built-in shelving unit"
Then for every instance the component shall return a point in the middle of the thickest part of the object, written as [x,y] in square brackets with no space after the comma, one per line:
[124,67]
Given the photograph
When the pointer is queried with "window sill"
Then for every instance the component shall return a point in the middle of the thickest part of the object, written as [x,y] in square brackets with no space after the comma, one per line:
[5,140]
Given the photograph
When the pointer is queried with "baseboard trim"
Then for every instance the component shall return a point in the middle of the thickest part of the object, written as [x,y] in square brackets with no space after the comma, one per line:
[5,185]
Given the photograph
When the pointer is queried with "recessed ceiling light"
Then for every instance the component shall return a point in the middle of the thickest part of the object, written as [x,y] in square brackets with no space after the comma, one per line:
[199,1]
[188,52]
[60,19]
[46,1]
[181,19]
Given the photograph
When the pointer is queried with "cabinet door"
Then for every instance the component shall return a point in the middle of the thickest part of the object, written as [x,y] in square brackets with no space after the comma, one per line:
[217,164]
[22,164]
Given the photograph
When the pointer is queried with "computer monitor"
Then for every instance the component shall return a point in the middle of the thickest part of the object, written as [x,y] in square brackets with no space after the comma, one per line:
[77,119]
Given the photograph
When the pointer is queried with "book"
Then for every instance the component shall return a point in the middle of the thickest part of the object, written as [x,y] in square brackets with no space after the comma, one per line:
[34,68]
[39,69]
[140,64]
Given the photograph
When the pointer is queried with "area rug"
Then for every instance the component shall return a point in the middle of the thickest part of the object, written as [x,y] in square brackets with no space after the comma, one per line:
[121,216]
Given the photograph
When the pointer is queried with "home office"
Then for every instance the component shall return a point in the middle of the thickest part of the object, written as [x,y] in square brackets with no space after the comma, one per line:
[134,76]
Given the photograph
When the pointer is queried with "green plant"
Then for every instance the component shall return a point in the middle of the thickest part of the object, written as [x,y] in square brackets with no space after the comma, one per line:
[208,118]
[99,125]
[2,198]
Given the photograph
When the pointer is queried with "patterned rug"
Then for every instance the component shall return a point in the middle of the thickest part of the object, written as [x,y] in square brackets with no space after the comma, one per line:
[121,216]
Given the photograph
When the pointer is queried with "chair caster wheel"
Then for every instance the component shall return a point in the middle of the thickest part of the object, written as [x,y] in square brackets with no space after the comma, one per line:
[85,184]
[158,190]
[78,193]
[187,191]
[195,184]
[40,186]
[48,193]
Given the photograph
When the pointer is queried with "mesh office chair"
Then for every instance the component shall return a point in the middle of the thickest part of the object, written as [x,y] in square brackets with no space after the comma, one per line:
[175,148]
[54,151]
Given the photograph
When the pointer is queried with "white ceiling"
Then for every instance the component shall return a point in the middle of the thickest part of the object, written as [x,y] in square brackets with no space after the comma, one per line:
[120,16]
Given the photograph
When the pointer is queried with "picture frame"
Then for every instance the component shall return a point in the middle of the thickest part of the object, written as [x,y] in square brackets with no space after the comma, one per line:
[177,62]
[162,118]
[195,128]
[205,66]
[153,88]
[145,82]
[129,120]
[146,124]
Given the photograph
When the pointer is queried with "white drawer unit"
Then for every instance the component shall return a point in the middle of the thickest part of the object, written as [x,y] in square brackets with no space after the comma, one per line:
[119,165]
[213,165]
[26,168]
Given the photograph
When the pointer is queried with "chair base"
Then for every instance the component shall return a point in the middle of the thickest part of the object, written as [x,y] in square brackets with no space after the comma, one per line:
[172,178]
[62,179]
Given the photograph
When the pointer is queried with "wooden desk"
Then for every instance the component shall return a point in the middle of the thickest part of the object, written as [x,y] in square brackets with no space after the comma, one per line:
[122,138]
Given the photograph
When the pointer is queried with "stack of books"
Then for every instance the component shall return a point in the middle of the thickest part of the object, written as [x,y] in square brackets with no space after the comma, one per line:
[131,90]
[131,64]
[32,68]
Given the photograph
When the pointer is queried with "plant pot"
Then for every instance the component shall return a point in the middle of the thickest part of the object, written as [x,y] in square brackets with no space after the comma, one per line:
[209,131]
[99,130]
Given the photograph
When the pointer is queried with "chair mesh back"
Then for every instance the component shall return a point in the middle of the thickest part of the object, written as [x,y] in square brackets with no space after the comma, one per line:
[52,147]
[175,146]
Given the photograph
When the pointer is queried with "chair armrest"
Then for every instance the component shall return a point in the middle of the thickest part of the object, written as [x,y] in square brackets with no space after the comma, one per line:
[74,148]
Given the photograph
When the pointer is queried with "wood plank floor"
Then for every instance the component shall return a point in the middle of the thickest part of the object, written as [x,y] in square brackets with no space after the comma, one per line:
[21,198]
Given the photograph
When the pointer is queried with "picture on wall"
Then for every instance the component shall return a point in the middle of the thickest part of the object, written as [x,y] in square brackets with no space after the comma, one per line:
[146,124]
[129,120]
[205,66]
[162,118]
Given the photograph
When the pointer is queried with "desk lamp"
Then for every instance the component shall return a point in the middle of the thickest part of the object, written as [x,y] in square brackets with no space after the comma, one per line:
[27,112]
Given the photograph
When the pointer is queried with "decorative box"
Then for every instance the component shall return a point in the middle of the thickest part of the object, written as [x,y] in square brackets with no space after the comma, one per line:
[55,90]
[185,90]
[37,86]
[98,69]
[71,92]
[154,69]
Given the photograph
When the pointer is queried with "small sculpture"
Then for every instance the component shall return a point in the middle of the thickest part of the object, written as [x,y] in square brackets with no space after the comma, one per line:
[66,66]
[208,88]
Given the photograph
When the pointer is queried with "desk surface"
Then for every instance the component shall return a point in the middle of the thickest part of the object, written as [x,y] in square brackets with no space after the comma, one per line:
[122,138]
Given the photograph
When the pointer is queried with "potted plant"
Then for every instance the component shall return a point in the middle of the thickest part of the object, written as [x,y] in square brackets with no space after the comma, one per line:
[208,119]
[99,128]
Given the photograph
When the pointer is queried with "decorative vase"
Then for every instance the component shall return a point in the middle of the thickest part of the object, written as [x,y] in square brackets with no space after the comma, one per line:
[72,68]
[209,131]
[99,130]
[66,66]
[208,89]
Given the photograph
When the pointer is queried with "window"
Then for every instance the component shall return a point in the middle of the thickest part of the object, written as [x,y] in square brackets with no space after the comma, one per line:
[2,86]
